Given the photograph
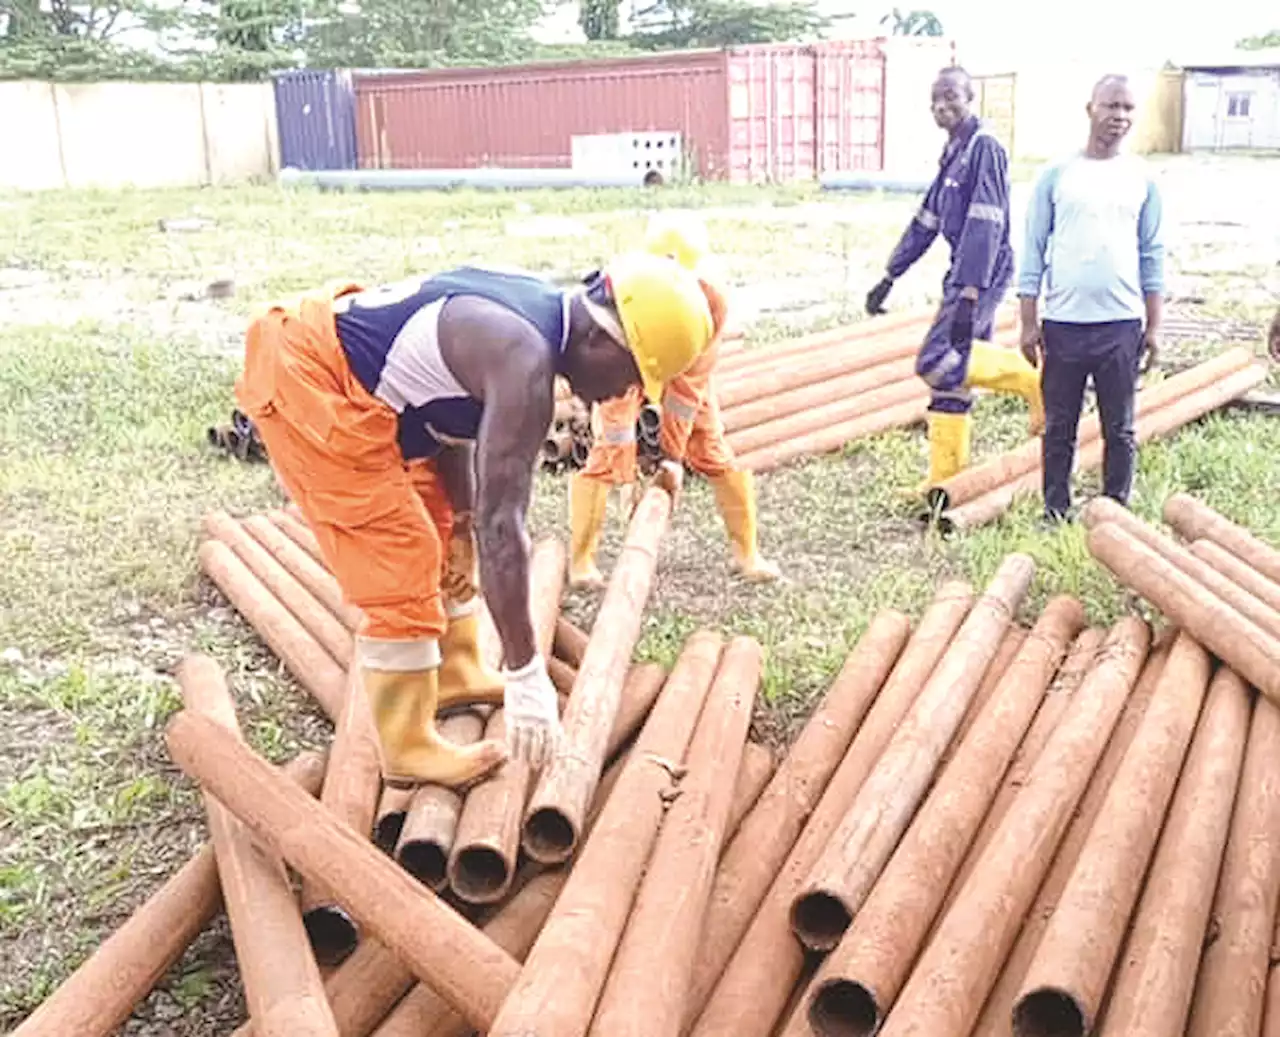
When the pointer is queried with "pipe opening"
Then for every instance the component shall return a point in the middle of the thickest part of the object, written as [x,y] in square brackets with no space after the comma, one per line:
[820,919]
[581,451]
[843,1008]
[386,833]
[549,837]
[332,933]
[1048,1013]
[480,875]
[425,861]
[937,500]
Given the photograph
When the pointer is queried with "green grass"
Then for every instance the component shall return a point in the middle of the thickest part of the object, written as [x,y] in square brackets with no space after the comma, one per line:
[109,377]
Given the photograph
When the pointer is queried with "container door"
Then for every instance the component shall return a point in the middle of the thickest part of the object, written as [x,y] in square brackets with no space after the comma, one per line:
[850,107]
[771,114]
[315,111]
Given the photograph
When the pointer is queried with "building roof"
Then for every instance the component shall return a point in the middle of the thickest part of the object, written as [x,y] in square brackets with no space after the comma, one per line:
[1267,58]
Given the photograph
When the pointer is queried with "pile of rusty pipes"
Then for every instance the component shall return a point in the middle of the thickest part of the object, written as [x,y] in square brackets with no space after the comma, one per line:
[982,828]
[984,492]
[808,396]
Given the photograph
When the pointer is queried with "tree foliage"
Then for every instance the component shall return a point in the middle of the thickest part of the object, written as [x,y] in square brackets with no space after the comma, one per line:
[599,19]
[1264,42]
[675,24]
[912,23]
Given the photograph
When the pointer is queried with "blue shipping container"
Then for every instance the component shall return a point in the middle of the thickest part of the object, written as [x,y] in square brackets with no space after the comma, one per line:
[316,114]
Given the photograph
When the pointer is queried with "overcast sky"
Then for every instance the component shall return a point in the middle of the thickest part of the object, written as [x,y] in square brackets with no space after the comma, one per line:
[995,33]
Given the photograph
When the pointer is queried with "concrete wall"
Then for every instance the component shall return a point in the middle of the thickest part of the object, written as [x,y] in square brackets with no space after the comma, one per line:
[912,141]
[111,135]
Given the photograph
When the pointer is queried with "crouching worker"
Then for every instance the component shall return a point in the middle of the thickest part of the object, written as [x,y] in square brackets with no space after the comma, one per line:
[968,203]
[692,432]
[370,401]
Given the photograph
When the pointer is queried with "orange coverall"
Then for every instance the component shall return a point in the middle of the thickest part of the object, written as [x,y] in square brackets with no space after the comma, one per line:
[380,523]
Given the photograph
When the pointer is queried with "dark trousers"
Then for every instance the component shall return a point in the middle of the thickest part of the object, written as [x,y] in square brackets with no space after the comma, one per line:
[1108,353]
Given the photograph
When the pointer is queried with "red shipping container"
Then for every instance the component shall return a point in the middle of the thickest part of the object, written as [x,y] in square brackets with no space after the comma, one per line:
[746,114]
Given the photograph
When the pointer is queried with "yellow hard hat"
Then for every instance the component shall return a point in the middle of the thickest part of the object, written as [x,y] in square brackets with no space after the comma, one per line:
[664,316]
[682,236]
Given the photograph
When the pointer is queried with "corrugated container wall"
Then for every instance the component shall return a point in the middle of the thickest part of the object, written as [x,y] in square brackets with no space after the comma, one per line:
[748,114]
[316,114]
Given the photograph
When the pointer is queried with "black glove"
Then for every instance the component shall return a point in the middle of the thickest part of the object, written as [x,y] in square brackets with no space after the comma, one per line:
[877,296]
[962,323]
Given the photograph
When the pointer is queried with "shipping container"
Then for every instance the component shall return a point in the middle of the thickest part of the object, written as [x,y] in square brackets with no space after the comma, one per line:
[316,114]
[745,114]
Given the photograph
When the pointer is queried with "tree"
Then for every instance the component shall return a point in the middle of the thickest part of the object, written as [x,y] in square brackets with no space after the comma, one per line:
[912,23]
[60,39]
[599,19]
[675,24]
[1263,42]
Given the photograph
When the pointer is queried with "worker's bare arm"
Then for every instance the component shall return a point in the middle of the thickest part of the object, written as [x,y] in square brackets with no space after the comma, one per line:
[501,360]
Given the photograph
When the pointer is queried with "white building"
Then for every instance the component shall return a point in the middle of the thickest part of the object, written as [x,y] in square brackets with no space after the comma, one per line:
[1233,103]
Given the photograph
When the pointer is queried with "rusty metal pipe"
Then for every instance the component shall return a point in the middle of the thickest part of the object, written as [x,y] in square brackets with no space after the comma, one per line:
[648,982]
[389,822]
[839,882]
[860,419]
[437,944]
[1103,509]
[1152,989]
[1080,661]
[1248,649]
[822,394]
[995,900]
[281,979]
[860,980]
[1195,520]
[553,820]
[981,479]
[749,963]
[1231,985]
[815,419]
[1240,573]
[289,591]
[755,361]
[432,819]
[292,643]
[566,969]
[1067,980]
[292,523]
[481,858]
[570,642]
[997,1017]
[1151,425]
[352,787]
[754,774]
[557,447]
[305,569]
[97,999]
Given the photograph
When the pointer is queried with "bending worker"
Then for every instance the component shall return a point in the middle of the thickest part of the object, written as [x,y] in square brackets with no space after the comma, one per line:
[691,432]
[968,202]
[352,389]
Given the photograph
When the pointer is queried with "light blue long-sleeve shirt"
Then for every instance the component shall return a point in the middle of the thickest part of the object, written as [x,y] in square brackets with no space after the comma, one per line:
[1094,242]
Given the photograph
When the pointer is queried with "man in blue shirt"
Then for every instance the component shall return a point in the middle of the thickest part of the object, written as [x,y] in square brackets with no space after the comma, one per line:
[968,202]
[1094,245]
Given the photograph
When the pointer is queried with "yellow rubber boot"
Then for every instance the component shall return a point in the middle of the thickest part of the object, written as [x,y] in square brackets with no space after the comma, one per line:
[465,679]
[1007,370]
[736,499]
[413,750]
[588,499]
[949,436]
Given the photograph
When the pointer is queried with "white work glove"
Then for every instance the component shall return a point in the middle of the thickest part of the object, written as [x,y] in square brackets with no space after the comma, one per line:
[532,713]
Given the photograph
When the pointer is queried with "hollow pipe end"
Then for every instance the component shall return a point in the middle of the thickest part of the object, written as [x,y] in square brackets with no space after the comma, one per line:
[1049,1012]
[820,919]
[332,932]
[549,836]
[480,874]
[844,1008]
[426,861]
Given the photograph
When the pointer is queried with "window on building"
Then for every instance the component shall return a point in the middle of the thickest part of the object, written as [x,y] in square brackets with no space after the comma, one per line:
[1238,105]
